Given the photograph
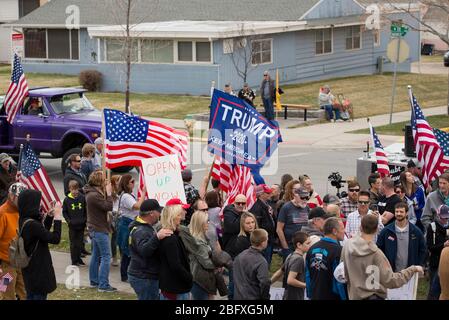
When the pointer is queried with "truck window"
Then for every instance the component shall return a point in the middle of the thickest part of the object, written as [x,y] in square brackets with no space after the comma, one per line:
[71,103]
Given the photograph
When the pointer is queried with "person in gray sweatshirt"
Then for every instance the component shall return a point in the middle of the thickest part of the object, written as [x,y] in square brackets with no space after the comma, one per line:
[435,199]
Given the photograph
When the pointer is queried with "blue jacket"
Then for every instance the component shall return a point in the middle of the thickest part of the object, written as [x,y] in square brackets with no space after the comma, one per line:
[387,242]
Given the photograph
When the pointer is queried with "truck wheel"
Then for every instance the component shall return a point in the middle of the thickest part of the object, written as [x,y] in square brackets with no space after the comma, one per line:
[66,156]
[122,169]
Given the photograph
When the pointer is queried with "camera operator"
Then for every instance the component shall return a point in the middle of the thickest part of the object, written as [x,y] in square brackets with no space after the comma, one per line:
[350,203]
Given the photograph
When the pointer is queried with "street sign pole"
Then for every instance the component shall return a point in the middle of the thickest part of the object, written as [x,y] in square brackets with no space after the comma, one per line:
[394,79]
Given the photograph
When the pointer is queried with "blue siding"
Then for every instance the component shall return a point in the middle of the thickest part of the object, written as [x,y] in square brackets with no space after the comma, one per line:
[334,8]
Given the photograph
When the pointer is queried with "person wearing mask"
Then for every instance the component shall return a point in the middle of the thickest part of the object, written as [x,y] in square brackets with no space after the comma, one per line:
[321,260]
[265,217]
[143,270]
[175,278]
[98,193]
[387,201]
[8,172]
[292,217]
[415,195]
[128,211]
[9,222]
[39,275]
[402,242]
[360,255]
[73,172]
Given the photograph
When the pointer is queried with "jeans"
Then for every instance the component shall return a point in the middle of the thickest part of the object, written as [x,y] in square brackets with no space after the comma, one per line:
[124,263]
[146,289]
[100,260]
[231,286]
[330,112]
[36,296]
[123,235]
[114,243]
[181,296]
[76,236]
[268,254]
[269,110]
[199,293]
[434,285]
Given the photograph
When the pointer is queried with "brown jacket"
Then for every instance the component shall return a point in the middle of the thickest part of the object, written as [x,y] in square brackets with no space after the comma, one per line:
[443,272]
[97,210]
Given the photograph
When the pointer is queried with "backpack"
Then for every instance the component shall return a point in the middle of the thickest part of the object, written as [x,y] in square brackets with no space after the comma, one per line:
[18,257]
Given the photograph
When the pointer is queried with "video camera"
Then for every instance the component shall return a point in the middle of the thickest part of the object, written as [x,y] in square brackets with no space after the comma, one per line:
[336,181]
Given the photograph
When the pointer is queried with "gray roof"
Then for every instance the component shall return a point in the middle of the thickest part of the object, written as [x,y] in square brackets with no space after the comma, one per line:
[108,12]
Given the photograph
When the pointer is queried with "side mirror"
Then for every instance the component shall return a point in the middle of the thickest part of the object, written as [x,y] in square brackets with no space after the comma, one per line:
[446,59]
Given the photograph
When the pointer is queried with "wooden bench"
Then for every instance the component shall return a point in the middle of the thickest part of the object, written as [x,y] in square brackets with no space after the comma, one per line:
[304,107]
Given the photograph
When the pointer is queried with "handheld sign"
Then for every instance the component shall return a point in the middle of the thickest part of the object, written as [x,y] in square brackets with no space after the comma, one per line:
[407,292]
[163,178]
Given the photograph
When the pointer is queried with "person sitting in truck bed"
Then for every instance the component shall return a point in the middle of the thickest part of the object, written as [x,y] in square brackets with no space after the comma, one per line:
[34,108]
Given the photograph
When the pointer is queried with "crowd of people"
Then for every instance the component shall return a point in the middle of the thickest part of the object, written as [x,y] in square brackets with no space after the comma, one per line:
[203,249]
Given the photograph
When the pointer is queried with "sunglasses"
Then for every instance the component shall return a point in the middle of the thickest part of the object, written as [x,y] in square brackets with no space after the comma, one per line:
[77,160]
[354,190]
[399,192]
[305,198]
[204,210]
[364,202]
[240,203]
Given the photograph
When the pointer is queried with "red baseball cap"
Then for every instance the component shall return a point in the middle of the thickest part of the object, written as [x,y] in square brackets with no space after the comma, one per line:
[262,188]
[176,201]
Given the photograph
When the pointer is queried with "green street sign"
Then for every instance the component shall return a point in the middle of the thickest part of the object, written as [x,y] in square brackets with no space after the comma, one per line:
[398,30]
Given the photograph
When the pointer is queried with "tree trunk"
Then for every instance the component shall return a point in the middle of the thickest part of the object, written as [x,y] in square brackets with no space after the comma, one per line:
[128,44]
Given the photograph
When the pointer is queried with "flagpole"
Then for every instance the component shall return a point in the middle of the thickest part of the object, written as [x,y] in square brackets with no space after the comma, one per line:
[209,175]
[410,95]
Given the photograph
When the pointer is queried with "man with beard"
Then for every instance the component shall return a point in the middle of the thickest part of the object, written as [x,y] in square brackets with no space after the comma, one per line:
[402,242]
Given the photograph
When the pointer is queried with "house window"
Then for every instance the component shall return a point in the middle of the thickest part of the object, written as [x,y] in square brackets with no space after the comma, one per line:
[26,6]
[261,51]
[115,50]
[156,51]
[194,51]
[352,37]
[376,36]
[51,44]
[323,41]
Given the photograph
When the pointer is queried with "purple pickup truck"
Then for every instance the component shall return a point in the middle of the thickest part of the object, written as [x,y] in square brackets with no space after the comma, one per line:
[58,120]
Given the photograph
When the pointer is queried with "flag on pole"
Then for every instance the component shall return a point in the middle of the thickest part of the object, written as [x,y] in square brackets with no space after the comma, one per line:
[381,156]
[428,150]
[443,140]
[34,176]
[241,182]
[278,95]
[17,91]
[221,171]
[129,139]
[141,184]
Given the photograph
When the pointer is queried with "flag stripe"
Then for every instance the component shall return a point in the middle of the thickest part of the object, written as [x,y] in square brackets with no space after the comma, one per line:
[17,91]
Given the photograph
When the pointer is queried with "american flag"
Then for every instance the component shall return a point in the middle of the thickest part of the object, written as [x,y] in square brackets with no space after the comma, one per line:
[141,184]
[428,150]
[131,139]
[33,175]
[18,90]
[221,171]
[5,281]
[443,140]
[381,156]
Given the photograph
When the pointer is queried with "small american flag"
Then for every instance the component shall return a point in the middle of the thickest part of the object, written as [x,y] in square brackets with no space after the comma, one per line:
[141,184]
[18,90]
[5,281]
[381,156]
[131,139]
[33,175]
[428,150]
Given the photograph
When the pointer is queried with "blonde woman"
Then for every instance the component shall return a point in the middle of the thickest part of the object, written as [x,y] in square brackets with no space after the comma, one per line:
[175,279]
[248,224]
[204,284]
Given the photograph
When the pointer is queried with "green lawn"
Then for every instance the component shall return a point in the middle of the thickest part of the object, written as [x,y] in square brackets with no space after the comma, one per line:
[440,121]
[84,293]
[64,244]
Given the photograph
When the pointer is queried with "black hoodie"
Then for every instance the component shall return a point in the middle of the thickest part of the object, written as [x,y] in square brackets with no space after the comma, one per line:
[39,275]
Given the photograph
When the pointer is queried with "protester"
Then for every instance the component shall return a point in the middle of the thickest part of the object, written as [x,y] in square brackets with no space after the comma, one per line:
[248,223]
[292,217]
[216,188]
[251,275]
[435,199]
[388,201]
[326,100]
[334,210]
[73,172]
[74,212]
[268,95]
[362,258]
[98,159]
[321,261]
[129,209]
[317,217]
[115,184]
[274,199]
[231,220]
[143,270]
[402,243]
[374,182]
[415,171]
[87,160]
[215,230]
[39,275]
[8,172]
[437,238]
[175,279]
[98,193]
[330,199]
[228,89]
[415,195]
[400,191]
[9,222]
[247,94]
[443,273]
[355,218]
[286,178]
[265,217]
[315,199]
[192,194]
[203,269]
[349,203]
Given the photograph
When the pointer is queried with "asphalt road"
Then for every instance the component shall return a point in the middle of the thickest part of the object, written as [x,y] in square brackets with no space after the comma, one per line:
[318,163]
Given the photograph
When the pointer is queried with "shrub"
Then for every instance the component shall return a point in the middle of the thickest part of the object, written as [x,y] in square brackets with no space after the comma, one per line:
[90,80]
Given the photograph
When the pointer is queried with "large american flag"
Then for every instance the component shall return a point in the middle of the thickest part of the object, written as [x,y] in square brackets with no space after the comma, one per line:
[428,150]
[18,90]
[33,175]
[381,156]
[130,139]
[141,184]
[443,140]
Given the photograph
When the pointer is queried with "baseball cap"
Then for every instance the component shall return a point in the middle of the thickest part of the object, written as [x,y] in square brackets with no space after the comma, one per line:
[4,157]
[150,205]
[16,188]
[98,140]
[319,212]
[443,211]
[176,201]
[262,188]
[301,191]
[331,199]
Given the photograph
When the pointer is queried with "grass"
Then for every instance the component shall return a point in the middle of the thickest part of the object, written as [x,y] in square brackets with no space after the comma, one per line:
[64,244]
[434,58]
[439,121]
[369,94]
[85,293]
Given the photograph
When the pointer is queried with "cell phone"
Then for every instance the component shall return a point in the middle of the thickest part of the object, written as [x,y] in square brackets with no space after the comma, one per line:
[374,207]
